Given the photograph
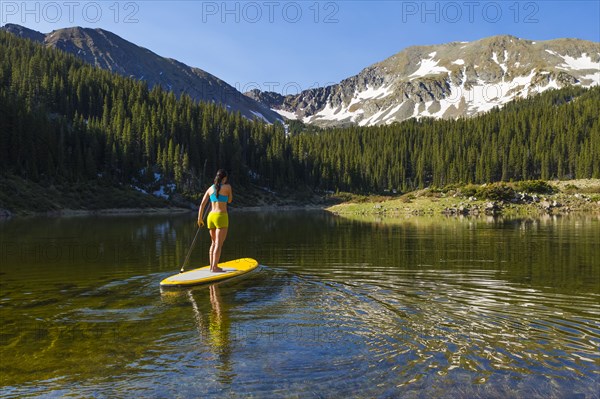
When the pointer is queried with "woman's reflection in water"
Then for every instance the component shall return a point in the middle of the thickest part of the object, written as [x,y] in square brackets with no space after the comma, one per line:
[215,329]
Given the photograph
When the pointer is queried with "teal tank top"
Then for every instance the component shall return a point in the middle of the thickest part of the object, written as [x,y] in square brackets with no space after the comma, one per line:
[220,198]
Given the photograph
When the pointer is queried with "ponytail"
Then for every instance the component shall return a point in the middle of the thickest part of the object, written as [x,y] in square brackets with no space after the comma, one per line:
[221,174]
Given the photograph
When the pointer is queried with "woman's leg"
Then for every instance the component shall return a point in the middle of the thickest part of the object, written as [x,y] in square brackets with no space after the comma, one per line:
[213,238]
[221,234]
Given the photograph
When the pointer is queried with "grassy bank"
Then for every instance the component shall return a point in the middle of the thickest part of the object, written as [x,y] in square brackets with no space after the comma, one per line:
[19,196]
[531,198]
[22,197]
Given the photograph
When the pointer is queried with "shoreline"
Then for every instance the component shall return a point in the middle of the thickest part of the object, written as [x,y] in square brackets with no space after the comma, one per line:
[23,198]
[7,215]
[274,208]
[563,198]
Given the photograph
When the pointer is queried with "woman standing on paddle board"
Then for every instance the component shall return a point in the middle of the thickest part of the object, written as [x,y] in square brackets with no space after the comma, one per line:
[219,194]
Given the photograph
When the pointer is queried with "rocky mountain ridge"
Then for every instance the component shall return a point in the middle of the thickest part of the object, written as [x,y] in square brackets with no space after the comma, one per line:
[457,79]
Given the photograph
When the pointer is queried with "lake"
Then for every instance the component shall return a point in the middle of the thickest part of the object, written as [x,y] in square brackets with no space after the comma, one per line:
[413,308]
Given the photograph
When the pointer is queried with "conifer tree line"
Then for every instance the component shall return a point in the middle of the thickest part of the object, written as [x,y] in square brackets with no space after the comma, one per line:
[62,120]
[555,135]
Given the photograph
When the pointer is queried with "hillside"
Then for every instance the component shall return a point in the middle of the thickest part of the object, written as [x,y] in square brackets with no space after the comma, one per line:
[106,50]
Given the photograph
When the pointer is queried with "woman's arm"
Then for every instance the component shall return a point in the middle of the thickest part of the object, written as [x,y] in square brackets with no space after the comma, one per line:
[230,198]
[201,209]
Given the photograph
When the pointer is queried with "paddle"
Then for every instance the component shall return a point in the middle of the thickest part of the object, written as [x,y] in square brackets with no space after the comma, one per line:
[190,251]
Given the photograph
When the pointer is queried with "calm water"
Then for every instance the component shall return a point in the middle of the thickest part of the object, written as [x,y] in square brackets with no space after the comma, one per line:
[422,308]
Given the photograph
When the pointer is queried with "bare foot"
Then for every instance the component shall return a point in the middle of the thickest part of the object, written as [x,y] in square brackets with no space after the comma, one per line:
[217,270]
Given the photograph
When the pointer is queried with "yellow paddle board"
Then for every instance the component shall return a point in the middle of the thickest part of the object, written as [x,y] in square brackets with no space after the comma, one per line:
[203,275]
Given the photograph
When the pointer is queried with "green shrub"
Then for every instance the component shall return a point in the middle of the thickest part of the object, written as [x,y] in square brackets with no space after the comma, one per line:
[535,187]
[495,192]
[432,193]
[469,190]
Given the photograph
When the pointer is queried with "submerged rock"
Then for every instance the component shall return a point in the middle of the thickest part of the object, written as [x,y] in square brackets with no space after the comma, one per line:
[492,208]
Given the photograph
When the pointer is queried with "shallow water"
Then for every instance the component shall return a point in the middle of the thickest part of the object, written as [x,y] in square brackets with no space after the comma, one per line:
[424,307]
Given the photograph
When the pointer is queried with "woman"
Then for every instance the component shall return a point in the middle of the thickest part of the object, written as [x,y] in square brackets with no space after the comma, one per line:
[219,194]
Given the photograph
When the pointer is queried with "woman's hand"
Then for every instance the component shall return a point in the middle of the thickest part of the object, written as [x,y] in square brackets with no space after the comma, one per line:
[200,222]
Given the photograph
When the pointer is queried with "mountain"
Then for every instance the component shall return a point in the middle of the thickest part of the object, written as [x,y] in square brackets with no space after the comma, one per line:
[444,81]
[106,50]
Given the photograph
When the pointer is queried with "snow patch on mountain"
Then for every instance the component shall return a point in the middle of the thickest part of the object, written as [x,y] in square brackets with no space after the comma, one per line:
[483,96]
[330,113]
[339,114]
[348,112]
[428,66]
[286,114]
[594,77]
[375,117]
[503,64]
[371,93]
[581,63]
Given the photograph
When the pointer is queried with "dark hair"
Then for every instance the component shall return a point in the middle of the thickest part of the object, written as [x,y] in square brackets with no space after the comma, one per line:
[221,174]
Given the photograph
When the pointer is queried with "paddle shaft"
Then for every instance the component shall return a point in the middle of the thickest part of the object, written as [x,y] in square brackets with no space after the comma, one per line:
[187,258]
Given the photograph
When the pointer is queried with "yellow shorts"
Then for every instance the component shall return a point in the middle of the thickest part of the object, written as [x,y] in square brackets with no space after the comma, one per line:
[217,220]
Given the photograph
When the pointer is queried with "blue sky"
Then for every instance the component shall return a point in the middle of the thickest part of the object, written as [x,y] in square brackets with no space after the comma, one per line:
[290,45]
